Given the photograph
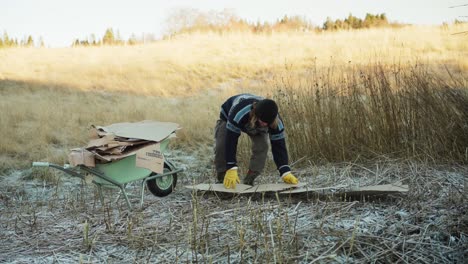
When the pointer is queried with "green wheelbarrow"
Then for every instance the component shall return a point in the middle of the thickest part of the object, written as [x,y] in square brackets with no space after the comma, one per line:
[118,174]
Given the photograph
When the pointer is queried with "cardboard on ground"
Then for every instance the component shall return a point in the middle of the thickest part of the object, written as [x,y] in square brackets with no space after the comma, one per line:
[243,188]
[219,187]
[396,187]
[283,188]
[310,189]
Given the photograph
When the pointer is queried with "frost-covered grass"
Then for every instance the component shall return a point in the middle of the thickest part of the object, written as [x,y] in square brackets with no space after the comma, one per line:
[43,222]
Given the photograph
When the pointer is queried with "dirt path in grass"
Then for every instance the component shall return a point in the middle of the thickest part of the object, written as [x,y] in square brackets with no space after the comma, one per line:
[64,222]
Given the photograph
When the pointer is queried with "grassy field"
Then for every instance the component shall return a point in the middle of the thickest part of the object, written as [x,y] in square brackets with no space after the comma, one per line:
[344,95]
[361,108]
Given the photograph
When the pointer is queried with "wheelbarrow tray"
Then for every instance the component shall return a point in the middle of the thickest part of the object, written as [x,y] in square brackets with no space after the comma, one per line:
[121,172]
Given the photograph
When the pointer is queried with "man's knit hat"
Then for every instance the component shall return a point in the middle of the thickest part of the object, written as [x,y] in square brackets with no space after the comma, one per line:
[266,110]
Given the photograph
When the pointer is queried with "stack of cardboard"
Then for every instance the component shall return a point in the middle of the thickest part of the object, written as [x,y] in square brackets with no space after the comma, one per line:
[117,141]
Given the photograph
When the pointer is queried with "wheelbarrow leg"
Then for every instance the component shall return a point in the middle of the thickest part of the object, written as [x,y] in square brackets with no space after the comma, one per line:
[120,195]
[143,183]
[101,197]
[126,197]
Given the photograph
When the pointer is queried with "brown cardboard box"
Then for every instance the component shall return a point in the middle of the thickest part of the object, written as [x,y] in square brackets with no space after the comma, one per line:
[81,156]
[151,158]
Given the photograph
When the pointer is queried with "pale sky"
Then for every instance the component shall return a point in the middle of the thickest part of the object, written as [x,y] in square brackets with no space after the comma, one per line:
[59,22]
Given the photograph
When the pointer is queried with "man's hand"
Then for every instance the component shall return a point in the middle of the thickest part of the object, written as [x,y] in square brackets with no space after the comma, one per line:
[231,178]
[289,178]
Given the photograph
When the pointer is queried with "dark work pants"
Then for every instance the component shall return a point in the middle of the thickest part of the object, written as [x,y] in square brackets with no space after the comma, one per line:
[259,137]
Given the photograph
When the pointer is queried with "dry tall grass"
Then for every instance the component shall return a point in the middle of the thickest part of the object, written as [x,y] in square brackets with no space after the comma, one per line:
[379,110]
[50,96]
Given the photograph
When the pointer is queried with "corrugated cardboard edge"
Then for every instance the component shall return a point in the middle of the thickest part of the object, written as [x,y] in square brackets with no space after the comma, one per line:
[147,129]
[81,156]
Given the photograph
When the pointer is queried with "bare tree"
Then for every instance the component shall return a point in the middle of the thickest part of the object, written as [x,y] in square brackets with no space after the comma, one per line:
[179,19]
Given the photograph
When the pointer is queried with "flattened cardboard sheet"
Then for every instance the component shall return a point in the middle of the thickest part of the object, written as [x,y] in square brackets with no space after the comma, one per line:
[363,190]
[99,142]
[112,157]
[148,130]
[310,189]
[219,187]
[273,187]
[397,187]
[243,188]
[283,188]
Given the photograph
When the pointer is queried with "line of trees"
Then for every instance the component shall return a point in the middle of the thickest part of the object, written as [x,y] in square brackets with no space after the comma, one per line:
[191,20]
[188,20]
[8,42]
[352,22]
[109,38]
[112,37]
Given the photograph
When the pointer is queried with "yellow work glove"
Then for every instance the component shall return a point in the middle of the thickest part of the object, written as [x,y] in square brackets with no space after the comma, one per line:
[289,178]
[231,178]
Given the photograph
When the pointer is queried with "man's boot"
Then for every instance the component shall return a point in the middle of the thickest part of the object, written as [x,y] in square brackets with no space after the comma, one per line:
[220,177]
[250,178]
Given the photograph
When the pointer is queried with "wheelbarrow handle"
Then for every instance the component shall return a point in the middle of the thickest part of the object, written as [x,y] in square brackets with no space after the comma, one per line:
[40,164]
[48,164]
[65,168]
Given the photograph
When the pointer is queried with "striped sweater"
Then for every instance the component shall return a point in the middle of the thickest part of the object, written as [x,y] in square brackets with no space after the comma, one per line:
[236,112]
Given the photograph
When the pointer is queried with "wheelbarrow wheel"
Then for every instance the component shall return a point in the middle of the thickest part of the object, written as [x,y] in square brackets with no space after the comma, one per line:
[164,185]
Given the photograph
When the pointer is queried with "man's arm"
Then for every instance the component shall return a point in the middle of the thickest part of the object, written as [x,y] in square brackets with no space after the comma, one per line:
[278,148]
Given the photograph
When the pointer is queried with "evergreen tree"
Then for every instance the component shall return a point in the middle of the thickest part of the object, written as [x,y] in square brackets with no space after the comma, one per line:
[109,37]
[352,22]
[7,42]
[329,24]
[29,41]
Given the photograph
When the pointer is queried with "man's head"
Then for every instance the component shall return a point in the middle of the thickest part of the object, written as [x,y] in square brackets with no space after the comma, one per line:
[266,110]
